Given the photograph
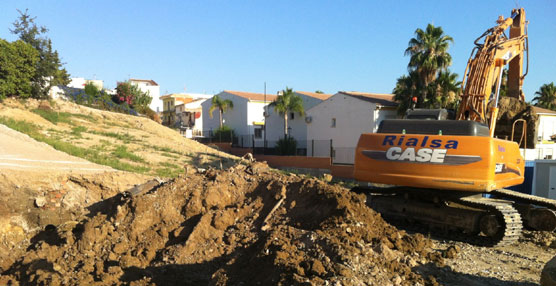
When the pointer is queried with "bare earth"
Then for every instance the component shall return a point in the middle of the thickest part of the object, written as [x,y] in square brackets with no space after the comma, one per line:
[64,220]
[20,152]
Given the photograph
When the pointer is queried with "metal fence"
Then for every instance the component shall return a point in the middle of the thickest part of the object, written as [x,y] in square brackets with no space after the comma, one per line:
[210,136]
[343,155]
[309,148]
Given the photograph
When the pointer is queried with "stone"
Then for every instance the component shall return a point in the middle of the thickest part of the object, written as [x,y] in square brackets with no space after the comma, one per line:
[548,274]
[386,252]
[40,202]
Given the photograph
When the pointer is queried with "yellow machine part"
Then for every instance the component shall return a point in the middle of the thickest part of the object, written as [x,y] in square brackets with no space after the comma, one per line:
[445,162]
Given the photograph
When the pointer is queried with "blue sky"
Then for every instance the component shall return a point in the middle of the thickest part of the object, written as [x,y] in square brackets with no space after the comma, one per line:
[209,46]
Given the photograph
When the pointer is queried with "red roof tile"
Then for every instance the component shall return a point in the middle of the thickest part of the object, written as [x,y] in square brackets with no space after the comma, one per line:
[144,80]
[380,98]
[252,96]
[543,110]
[321,96]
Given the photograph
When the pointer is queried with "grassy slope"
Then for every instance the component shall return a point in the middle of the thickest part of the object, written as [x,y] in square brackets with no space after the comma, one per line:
[113,143]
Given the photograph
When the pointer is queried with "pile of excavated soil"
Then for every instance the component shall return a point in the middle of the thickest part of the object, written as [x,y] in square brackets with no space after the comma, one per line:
[33,200]
[247,225]
[512,109]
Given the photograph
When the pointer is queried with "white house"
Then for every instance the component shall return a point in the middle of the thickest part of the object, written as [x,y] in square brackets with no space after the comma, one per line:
[342,118]
[190,116]
[152,88]
[296,123]
[175,104]
[76,83]
[80,82]
[545,147]
[246,118]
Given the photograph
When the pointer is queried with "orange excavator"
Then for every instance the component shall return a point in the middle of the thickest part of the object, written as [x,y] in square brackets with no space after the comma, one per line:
[452,174]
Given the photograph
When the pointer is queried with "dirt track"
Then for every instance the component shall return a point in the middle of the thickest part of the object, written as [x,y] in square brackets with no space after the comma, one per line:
[20,152]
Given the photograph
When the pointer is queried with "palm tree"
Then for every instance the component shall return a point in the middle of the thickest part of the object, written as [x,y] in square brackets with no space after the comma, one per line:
[447,89]
[429,54]
[222,104]
[546,96]
[407,87]
[286,103]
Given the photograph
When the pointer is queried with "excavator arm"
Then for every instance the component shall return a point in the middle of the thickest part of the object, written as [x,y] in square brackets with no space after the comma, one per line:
[483,73]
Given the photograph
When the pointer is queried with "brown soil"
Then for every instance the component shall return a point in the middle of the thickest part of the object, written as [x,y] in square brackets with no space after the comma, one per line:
[512,109]
[245,225]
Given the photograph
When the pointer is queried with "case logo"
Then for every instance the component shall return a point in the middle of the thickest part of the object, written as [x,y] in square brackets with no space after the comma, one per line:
[422,155]
[435,151]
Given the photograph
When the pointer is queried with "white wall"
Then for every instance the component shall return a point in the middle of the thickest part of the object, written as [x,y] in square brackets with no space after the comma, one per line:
[77,82]
[154,92]
[235,118]
[80,82]
[353,117]
[275,123]
[547,126]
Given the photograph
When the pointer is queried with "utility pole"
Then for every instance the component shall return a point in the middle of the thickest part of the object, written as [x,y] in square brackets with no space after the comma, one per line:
[265,116]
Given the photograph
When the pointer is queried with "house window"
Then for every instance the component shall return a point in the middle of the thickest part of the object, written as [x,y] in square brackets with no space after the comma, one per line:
[259,132]
[291,115]
[333,123]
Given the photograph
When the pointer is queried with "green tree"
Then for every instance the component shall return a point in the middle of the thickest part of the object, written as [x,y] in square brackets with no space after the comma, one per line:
[407,87]
[132,95]
[48,71]
[222,105]
[546,96]
[286,103]
[446,90]
[92,90]
[17,67]
[428,52]
[504,84]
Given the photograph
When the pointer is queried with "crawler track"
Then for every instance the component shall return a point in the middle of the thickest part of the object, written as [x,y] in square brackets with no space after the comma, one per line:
[509,218]
[472,219]
[537,213]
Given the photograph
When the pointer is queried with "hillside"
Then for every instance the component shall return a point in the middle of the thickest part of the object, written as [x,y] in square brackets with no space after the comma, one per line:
[121,141]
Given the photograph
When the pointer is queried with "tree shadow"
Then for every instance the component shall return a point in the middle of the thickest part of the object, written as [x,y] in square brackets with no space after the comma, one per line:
[243,266]
[447,276]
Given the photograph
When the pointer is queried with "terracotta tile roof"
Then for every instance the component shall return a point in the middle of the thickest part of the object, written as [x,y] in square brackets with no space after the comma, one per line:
[379,98]
[321,96]
[252,96]
[543,110]
[144,80]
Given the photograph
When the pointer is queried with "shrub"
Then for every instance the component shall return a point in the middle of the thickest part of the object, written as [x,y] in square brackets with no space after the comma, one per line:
[286,146]
[223,134]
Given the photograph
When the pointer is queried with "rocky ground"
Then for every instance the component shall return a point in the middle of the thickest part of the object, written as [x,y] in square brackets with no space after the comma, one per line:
[243,225]
[517,264]
[252,225]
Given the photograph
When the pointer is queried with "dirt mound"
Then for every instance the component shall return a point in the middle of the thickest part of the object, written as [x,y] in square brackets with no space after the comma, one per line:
[540,238]
[512,109]
[245,225]
[31,201]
